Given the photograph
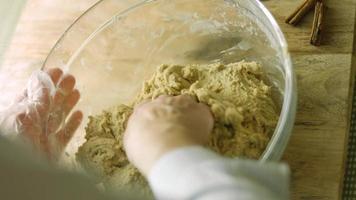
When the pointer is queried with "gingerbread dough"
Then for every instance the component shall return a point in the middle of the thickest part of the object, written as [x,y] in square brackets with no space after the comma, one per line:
[240,100]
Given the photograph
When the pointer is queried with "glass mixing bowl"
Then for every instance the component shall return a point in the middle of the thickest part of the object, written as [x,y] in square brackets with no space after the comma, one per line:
[116,45]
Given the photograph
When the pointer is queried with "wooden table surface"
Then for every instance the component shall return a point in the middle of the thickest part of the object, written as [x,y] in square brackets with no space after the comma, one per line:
[316,152]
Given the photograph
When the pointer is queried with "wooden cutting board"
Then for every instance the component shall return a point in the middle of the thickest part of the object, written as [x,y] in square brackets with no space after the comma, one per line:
[316,152]
[317,149]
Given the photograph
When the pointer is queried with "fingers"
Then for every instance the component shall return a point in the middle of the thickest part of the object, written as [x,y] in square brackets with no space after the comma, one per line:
[29,128]
[66,84]
[55,74]
[62,107]
[185,97]
[71,101]
[25,126]
[64,135]
[182,101]
[205,108]
[44,114]
[65,98]
[146,102]
[42,104]
[58,98]
[64,91]
[162,98]
[38,112]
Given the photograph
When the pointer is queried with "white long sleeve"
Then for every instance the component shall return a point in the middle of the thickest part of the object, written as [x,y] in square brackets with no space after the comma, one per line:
[199,174]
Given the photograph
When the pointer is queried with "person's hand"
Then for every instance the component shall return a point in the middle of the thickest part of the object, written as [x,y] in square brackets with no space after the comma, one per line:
[165,124]
[40,114]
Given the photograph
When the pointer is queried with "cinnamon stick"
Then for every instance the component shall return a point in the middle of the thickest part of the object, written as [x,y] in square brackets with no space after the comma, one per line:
[318,22]
[300,12]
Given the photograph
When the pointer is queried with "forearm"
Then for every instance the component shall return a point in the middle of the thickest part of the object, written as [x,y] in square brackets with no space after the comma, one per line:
[196,173]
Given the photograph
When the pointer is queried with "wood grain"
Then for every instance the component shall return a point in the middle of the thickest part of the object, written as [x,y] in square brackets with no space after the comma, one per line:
[339,26]
[317,147]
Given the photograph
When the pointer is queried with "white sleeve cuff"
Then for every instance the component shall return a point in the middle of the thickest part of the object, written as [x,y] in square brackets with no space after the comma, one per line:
[167,176]
[196,171]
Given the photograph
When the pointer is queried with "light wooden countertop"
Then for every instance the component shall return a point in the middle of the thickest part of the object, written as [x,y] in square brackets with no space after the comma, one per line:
[325,78]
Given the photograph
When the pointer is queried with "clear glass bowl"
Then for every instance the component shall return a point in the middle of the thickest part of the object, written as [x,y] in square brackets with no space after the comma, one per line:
[116,45]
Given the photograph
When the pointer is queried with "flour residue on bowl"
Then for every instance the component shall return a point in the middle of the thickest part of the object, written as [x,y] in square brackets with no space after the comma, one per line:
[112,63]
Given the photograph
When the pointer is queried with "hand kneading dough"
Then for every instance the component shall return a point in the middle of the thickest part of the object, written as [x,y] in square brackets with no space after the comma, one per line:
[241,102]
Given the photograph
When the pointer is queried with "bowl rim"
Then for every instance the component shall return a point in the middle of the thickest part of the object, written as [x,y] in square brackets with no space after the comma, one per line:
[280,138]
[283,131]
[67,30]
